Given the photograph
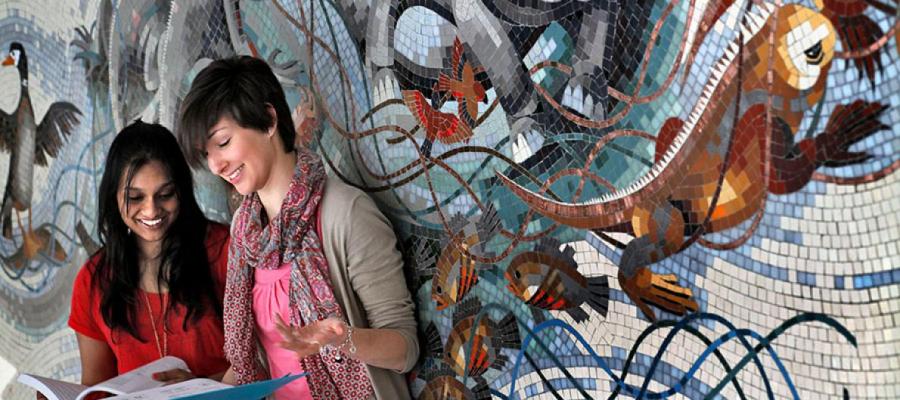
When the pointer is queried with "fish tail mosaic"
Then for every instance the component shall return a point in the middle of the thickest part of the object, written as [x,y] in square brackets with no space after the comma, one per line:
[594,199]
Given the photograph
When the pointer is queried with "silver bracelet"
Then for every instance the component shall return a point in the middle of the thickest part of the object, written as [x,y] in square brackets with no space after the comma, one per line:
[339,350]
[348,341]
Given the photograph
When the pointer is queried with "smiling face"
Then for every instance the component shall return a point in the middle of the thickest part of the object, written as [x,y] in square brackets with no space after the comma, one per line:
[241,156]
[148,204]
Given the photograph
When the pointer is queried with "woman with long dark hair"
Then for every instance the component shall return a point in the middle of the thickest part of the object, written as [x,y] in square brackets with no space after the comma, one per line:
[156,285]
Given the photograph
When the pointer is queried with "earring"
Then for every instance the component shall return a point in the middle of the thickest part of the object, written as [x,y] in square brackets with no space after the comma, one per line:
[129,231]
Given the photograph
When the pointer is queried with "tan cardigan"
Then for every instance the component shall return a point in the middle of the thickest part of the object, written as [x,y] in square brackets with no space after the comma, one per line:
[367,275]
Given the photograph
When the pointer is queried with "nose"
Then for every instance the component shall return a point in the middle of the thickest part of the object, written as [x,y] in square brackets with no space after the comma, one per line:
[150,207]
[215,163]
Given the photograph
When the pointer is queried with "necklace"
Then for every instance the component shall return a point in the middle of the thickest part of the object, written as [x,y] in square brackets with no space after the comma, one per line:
[162,349]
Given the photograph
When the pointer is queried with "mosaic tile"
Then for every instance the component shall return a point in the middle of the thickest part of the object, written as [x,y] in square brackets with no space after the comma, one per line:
[717,184]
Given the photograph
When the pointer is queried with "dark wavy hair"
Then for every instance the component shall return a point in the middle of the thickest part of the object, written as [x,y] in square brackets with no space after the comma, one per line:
[240,87]
[185,267]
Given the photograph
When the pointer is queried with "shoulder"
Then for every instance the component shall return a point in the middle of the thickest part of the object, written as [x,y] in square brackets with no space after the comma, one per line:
[339,194]
[85,277]
[340,202]
[344,207]
[84,315]
[217,241]
[216,234]
[349,220]
[342,199]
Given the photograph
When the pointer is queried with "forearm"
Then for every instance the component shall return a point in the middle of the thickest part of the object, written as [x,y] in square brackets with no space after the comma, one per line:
[93,377]
[382,348]
[98,363]
[228,377]
[219,376]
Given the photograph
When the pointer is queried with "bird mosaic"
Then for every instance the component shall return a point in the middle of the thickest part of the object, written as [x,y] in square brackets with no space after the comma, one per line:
[713,170]
[455,272]
[468,351]
[439,126]
[443,385]
[30,143]
[460,85]
[548,278]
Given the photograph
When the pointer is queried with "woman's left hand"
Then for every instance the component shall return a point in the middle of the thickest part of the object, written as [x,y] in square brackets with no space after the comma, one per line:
[309,339]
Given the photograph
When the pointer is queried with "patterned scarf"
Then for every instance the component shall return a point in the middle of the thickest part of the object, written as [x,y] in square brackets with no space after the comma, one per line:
[290,237]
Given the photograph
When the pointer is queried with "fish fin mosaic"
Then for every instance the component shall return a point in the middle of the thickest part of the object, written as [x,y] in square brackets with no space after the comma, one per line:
[594,199]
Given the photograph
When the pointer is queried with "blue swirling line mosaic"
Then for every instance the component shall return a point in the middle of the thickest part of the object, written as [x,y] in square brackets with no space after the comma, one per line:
[683,324]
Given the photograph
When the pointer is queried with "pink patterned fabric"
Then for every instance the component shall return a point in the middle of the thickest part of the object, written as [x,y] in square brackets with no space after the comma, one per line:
[289,237]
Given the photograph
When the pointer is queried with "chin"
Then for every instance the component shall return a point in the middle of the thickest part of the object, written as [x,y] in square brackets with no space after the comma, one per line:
[154,235]
[243,191]
[245,187]
[155,239]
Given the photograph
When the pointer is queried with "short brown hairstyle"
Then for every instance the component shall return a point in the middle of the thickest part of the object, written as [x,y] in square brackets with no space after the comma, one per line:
[239,87]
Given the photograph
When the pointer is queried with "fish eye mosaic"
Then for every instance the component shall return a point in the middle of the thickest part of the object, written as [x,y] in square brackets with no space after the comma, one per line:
[595,199]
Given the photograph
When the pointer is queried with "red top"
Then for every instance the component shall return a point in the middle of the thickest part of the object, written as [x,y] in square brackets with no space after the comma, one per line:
[201,346]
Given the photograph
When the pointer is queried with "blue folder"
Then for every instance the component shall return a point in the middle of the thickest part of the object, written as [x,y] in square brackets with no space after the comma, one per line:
[250,391]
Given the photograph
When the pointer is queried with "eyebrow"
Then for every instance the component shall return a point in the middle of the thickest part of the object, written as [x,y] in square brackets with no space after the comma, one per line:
[213,132]
[162,187]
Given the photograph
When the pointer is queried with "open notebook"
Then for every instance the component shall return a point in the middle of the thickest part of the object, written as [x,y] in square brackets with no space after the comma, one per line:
[138,384]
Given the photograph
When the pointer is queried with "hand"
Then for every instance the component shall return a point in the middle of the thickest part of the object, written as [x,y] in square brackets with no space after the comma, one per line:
[847,125]
[96,396]
[172,376]
[310,338]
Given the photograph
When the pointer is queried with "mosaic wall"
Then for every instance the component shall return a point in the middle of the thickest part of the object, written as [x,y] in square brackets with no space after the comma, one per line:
[596,198]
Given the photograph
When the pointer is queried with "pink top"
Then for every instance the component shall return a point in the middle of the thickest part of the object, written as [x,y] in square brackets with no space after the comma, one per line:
[270,298]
